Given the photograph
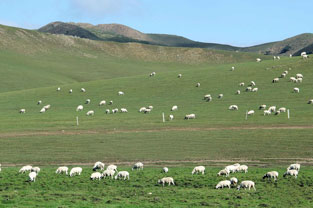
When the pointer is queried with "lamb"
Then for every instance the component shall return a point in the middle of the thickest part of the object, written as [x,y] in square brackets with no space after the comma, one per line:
[291,173]
[111,102]
[90,113]
[292,79]
[39,102]
[147,110]
[152,74]
[112,167]
[286,72]
[142,109]
[42,110]
[252,83]
[47,107]
[198,84]
[234,181]
[305,56]
[75,171]
[80,108]
[179,76]
[171,117]
[115,110]
[70,91]
[278,58]
[206,96]
[190,116]
[222,184]
[223,172]
[271,174]
[296,90]
[310,101]
[290,55]
[261,107]
[248,89]
[124,110]
[258,60]
[82,90]
[95,176]
[272,109]
[238,92]
[209,99]
[120,93]
[274,57]
[122,174]
[250,112]
[283,75]
[22,110]
[242,168]
[98,165]
[174,108]
[282,110]
[299,80]
[255,89]
[294,167]
[275,80]
[232,68]
[303,53]
[59,89]
[246,184]
[107,111]
[299,76]
[241,84]
[25,169]
[232,168]
[220,96]
[32,176]
[35,169]
[87,101]
[102,102]
[198,169]
[165,170]
[108,173]
[138,166]
[277,113]
[61,170]
[267,112]
[233,107]
[168,180]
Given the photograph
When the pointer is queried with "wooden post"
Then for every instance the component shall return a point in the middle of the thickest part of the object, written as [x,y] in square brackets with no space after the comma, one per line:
[77,121]
[288,113]
[163,117]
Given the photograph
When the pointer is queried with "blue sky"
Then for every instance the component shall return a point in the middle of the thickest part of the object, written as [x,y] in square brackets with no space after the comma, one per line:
[235,22]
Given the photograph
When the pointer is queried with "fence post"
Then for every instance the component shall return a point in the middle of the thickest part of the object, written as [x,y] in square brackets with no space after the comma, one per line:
[77,121]
[288,113]
[246,115]
[163,117]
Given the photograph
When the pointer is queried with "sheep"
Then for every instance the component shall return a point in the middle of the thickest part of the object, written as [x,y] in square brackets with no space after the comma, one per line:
[75,171]
[22,110]
[277,113]
[142,109]
[222,184]
[258,60]
[220,96]
[274,57]
[147,110]
[299,80]
[275,80]
[255,89]
[310,101]
[272,109]
[246,184]
[179,76]
[232,68]
[303,53]
[296,90]
[70,91]
[238,92]
[61,170]
[174,108]
[39,102]
[293,79]
[299,76]
[87,101]
[124,110]
[233,107]
[241,84]
[47,107]
[291,173]
[122,174]
[250,112]
[252,83]
[112,167]
[206,96]
[209,99]
[294,167]
[198,169]
[165,170]
[267,112]
[286,72]
[115,110]
[224,172]
[59,89]
[90,113]
[242,168]
[198,84]
[278,58]
[150,107]
[283,75]
[305,56]
[290,55]
[35,169]
[107,111]
[120,93]
[108,173]
[25,169]
[282,110]
[232,168]
[171,117]
[80,108]
[152,74]
[111,102]
[190,116]
[248,89]
[138,166]
[82,89]
[102,102]
[98,165]
[233,181]
[168,180]
[271,174]
[95,176]
[261,107]
[32,176]
[42,110]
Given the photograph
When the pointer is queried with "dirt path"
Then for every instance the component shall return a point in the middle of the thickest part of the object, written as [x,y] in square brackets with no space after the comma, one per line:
[83,132]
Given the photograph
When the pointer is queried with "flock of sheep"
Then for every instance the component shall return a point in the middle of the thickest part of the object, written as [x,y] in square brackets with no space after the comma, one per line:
[112,172]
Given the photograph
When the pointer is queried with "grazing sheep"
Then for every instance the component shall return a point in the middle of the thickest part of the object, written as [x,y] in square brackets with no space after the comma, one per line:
[42,110]
[258,60]
[120,93]
[25,169]
[82,90]
[152,74]
[290,55]
[232,68]
[198,169]
[138,166]
[165,170]
[209,99]
[147,110]
[179,76]
[198,84]
[206,96]
[283,75]
[75,171]
[242,168]
[255,89]
[90,113]
[80,108]
[108,173]
[299,76]
[294,167]
[168,180]
[303,53]
[310,101]
[35,169]
[275,80]
[250,112]
[278,58]
[282,110]
[261,107]
[296,90]
[95,176]
[305,56]
[107,111]
[39,102]
[277,113]
[174,108]
[150,107]
[115,110]
[142,109]
[223,184]
[220,96]
[241,84]
[122,174]
[238,92]
[274,57]
[124,110]
[32,176]
[272,109]
[246,184]
[190,116]
[291,173]
[232,168]
[286,72]
[171,117]
[102,102]
[299,80]
[59,89]
[293,79]
[111,102]
[252,83]
[267,112]
[98,165]
[70,91]
[112,167]
[233,107]
[61,170]
[22,110]
[223,172]
[87,101]
[248,89]
[271,174]
[234,181]
[47,107]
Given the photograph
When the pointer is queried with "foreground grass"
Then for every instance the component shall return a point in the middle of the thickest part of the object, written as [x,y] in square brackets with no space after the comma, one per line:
[51,190]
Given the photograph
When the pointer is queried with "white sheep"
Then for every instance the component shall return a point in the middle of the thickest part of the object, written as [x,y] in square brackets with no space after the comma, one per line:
[35,169]
[291,173]
[255,89]
[115,110]
[223,172]
[271,174]
[124,110]
[82,89]
[277,113]
[47,107]
[222,184]
[250,112]
[102,102]
[138,166]
[75,171]
[179,75]
[275,80]
[80,108]
[147,110]
[238,92]
[87,101]
[283,75]
[246,184]
[252,83]
[206,96]
[120,93]
[272,109]
[293,79]
[232,168]
[22,110]
[299,76]
[258,60]
[233,107]
[242,168]
[299,80]
[122,174]
[296,90]
[62,169]
[171,117]
[310,101]
[220,96]
[241,84]
[152,74]
[98,165]
[294,167]
[142,109]
[32,176]
[198,84]
[290,55]
[165,170]
[90,113]
[111,102]
[70,91]
[190,116]
[42,110]
[261,107]
[168,180]
[278,58]
[248,89]
[267,112]
[59,89]
[198,169]
[112,167]
[303,53]
[305,56]
[150,107]
[25,169]
[274,57]
[286,72]
[232,68]
[108,173]
[95,176]
[282,110]
[39,102]
[107,111]
[233,180]
[174,108]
